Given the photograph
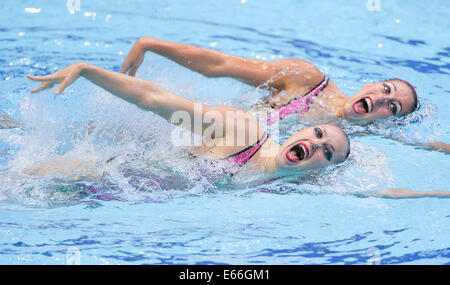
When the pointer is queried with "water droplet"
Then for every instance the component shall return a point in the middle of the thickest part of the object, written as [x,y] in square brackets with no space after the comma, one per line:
[32,10]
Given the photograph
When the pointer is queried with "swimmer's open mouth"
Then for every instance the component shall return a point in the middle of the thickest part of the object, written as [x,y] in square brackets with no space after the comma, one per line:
[363,106]
[297,153]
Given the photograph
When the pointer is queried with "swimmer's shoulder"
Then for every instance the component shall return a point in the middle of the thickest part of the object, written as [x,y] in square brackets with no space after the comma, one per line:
[333,90]
[306,75]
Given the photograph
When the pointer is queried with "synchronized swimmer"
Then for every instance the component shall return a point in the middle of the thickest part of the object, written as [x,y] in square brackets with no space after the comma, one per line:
[293,84]
[311,148]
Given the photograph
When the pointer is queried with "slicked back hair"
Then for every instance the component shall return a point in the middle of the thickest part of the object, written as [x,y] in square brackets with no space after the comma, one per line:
[348,146]
[415,104]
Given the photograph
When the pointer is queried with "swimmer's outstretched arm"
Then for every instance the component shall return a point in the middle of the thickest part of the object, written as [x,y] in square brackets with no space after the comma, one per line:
[278,74]
[434,146]
[144,94]
[405,193]
[438,146]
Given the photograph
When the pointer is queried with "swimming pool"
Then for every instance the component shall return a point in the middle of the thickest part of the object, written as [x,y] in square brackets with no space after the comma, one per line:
[285,222]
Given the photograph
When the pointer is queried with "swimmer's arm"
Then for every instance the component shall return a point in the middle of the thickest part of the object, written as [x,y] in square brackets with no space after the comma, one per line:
[405,193]
[142,93]
[278,74]
[438,146]
[435,146]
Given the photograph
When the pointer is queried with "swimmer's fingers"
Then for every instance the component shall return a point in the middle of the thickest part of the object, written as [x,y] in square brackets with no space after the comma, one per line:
[125,67]
[133,70]
[48,81]
[41,78]
[64,76]
[66,82]
[132,61]
[129,68]
[44,85]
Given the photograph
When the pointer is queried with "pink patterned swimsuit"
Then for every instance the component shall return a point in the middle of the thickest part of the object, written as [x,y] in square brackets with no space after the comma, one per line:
[220,171]
[240,158]
[298,105]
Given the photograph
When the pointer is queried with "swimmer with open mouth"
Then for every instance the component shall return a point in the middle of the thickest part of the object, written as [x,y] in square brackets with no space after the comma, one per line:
[311,148]
[293,84]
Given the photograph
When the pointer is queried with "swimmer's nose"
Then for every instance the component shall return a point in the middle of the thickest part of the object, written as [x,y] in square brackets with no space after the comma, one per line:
[317,145]
[380,101]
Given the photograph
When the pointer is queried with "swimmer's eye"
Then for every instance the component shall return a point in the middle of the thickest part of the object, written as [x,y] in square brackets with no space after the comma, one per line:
[387,89]
[319,133]
[393,108]
[328,154]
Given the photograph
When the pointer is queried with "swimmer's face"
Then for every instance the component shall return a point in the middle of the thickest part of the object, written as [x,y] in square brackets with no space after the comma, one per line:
[381,100]
[312,148]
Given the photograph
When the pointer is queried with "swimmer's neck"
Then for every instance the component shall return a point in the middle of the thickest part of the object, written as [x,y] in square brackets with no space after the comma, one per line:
[336,105]
[266,159]
[335,100]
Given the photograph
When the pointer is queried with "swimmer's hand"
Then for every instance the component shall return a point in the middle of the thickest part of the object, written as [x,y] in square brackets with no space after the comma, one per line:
[135,56]
[65,76]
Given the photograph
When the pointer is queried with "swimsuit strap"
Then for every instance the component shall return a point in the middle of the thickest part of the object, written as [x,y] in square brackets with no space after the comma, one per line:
[298,105]
[220,174]
[240,158]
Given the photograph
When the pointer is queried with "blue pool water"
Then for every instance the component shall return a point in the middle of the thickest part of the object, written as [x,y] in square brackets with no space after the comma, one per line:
[43,221]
